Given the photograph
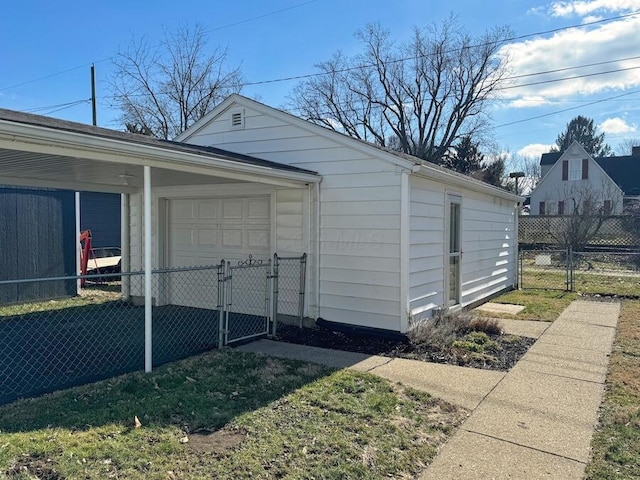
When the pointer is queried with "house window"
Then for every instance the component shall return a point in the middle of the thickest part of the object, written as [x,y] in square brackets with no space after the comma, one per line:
[561,207]
[541,209]
[575,169]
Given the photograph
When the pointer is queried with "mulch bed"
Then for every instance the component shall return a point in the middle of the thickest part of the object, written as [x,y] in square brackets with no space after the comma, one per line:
[510,351]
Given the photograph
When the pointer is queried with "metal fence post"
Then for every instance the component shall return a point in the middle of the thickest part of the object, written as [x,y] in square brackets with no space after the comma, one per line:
[221,291]
[228,283]
[303,281]
[521,270]
[274,294]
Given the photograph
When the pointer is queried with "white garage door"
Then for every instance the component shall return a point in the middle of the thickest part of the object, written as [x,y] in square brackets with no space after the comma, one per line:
[205,231]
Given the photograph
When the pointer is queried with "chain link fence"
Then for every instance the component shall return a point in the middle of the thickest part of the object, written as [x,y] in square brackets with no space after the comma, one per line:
[289,289]
[606,273]
[548,231]
[100,333]
[545,269]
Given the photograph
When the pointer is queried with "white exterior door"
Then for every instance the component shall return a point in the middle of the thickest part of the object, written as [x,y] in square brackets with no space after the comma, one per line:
[205,231]
[454,248]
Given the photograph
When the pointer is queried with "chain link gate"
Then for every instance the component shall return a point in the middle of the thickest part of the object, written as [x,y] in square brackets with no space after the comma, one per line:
[548,269]
[247,300]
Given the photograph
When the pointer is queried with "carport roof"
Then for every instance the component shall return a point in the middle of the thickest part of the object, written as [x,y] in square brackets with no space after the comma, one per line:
[43,151]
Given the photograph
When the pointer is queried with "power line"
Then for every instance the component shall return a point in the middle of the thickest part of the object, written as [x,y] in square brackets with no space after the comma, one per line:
[507,87]
[57,106]
[229,25]
[486,44]
[575,77]
[566,109]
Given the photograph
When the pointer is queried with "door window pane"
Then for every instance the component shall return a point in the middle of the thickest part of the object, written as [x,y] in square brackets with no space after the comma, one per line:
[454,269]
[454,228]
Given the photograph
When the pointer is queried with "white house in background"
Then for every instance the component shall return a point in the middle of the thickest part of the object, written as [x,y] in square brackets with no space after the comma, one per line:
[390,238]
[573,177]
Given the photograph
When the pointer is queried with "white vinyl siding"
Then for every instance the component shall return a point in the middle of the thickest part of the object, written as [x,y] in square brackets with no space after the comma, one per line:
[489,244]
[426,246]
[359,216]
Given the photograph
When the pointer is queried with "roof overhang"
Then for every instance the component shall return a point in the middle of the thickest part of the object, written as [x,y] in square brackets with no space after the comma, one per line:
[455,179]
[41,156]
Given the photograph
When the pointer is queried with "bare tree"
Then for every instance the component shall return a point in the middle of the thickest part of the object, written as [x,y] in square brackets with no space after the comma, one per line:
[530,166]
[161,90]
[586,208]
[418,98]
[625,146]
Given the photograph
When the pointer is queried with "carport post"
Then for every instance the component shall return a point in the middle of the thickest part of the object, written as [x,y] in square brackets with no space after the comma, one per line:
[148,320]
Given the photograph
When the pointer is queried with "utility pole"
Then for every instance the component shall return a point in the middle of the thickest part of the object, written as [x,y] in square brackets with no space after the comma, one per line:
[93,95]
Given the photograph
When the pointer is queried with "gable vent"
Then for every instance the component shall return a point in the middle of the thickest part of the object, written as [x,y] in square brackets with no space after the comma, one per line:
[237,120]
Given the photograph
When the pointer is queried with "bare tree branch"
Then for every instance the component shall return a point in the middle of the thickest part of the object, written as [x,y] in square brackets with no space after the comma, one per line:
[163,90]
[419,97]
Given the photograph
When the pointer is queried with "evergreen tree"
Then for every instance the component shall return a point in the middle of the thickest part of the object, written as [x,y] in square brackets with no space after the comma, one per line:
[583,131]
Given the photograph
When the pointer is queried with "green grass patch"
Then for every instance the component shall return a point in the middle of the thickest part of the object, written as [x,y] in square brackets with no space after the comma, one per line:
[616,444]
[226,414]
[585,282]
[90,296]
[539,304]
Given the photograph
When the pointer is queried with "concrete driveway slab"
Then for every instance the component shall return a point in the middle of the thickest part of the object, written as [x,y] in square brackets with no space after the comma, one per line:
[465,456]
[565,361]
[541,411]
[508,308]
[524,328]
[579,335]
[322,356]
[462,386]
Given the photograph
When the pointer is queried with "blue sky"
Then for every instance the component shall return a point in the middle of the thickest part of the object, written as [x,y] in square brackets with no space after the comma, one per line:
[282,38]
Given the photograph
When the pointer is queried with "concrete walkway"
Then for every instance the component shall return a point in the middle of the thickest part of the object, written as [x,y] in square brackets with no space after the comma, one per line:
[538,420]
[534,422]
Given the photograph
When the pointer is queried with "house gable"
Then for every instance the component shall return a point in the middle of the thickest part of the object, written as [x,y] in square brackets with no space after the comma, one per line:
[574,172]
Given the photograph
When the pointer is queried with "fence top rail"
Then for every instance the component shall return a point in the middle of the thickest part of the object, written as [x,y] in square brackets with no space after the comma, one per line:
[244,267]
[607,254]
[97,276]
[542,251]
[300,257]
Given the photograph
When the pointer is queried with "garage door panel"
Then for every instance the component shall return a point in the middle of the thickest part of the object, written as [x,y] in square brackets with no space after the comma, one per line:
[257,209]
[258,239]
[232,209]
[207,210]
[232,238]
[183,209]
[182,238]
[205,231]
[207,237]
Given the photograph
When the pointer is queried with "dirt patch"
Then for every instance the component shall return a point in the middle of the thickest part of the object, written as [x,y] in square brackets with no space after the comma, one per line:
[218,442]
[33,466]
[509,348]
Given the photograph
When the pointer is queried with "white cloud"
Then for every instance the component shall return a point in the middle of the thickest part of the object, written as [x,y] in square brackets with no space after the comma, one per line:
[573,48]
[588,7]
[535,149]
[616,126]
[529,102]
